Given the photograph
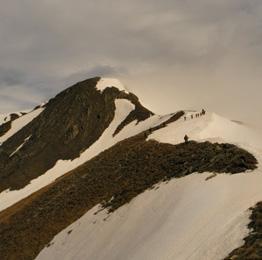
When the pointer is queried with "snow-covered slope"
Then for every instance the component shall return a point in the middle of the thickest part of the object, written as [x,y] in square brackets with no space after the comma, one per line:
[20,122]
[123,108]
[187,218]
[211,127]
[200,216]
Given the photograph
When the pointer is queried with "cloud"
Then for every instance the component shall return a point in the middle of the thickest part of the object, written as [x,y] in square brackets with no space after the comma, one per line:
[10,77]
[172,53]
[96,71]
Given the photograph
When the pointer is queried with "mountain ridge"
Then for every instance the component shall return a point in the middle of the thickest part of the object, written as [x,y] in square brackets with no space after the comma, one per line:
[94,151]
[75,118]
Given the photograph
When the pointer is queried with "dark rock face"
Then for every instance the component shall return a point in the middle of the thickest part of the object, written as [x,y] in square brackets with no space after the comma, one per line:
[252,248]
[113,179]
[70,123]
[5,127]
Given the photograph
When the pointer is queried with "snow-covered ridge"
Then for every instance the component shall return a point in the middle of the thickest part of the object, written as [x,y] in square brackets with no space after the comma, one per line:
[104,83]
[4,118]
[210,127]
[20,122]
[188,218]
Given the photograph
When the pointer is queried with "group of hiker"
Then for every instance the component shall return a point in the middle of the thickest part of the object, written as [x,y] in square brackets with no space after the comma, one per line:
[202,113]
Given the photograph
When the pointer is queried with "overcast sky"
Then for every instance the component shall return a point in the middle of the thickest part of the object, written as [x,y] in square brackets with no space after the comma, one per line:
[174,54]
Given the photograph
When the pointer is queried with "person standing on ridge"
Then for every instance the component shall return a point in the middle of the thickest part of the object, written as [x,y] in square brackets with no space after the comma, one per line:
[186,139]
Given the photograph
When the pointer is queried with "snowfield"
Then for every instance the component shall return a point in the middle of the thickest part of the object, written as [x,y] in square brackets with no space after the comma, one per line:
[187,218]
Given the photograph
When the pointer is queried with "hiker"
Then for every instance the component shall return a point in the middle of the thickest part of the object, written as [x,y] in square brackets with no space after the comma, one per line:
[184,118]
[192,116]
[203,112]
[186,138]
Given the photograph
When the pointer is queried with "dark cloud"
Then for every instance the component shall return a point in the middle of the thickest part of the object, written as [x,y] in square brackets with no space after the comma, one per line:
[174,53]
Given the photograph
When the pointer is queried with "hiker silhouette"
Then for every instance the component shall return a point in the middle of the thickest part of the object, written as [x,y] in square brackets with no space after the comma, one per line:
[186,138]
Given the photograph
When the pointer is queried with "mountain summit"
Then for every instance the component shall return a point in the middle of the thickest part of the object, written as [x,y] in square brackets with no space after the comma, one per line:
[93,174]
[68,124]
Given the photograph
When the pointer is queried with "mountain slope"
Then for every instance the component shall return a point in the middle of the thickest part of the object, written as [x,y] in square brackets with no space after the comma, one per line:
[69,124]
[124,108]
[95,175]
[188,218]
[195,217]
[113,179]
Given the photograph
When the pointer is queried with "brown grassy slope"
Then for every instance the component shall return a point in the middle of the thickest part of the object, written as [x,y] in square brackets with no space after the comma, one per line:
[252,248]
[122,172]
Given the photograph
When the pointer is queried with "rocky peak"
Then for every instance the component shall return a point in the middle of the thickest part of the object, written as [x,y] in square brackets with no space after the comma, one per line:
[70,123]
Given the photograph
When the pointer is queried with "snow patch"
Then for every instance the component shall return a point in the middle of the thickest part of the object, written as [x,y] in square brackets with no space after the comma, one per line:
[104,83]
[20,146]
